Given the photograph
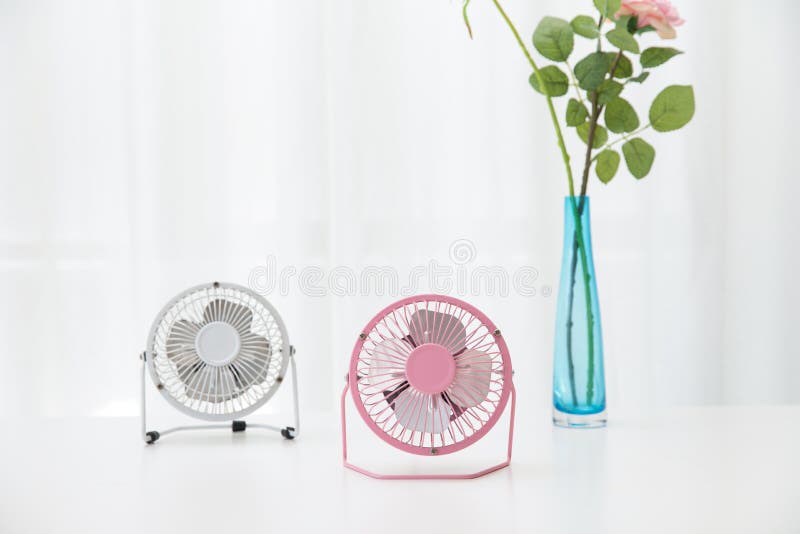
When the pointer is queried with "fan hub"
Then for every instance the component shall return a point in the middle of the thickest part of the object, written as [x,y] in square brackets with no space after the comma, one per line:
[430,368]
[218,343]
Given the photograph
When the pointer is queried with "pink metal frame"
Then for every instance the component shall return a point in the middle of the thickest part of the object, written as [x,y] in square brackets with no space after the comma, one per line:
[464,306]
[508,391]
[461,476]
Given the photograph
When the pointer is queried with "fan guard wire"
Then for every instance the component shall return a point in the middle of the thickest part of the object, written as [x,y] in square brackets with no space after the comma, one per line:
[223,392]
[425,423]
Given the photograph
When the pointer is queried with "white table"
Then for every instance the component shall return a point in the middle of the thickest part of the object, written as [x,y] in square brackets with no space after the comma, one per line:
[692,470]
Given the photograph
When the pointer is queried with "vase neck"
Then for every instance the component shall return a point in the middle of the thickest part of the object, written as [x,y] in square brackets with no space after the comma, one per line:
[576,205]
[577,222]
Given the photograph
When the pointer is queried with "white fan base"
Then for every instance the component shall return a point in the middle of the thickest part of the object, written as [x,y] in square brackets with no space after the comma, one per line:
[150,437]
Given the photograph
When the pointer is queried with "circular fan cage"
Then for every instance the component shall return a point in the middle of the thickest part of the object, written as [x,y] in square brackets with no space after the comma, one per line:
[218,351]
[430,375]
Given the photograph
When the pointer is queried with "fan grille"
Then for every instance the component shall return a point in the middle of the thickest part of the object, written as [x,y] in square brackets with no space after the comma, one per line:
[218,390]
[430,423]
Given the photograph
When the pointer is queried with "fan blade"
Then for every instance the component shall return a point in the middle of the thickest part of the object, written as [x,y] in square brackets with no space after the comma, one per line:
[391,394]
[236,315]
[214,385]
[180,348]
[428,326]
[252,365]
[387,363]
[473,378]
[429,414]
[181,337]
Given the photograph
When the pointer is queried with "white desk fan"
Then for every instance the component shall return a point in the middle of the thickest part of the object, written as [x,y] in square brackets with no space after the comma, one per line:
[218,352]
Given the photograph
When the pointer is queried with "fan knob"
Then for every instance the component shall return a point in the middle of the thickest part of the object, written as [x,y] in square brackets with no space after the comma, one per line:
[218,343]
[430,368]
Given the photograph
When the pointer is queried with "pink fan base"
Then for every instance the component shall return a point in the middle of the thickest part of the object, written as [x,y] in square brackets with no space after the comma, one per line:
[460,476]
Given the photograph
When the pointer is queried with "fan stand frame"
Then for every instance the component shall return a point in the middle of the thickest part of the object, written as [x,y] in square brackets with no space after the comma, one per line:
[288,432]
[456,476]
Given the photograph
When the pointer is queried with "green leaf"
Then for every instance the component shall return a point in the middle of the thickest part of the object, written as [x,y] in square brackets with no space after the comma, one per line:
[607,8]
[600,135]
[673,108]
[585,26]
[624,67]
[624,22]
[555,81]
[607,91]
[655,56]
[607,165]
[620,116]
[553,38]
[591,70]
[576,113]
[639,156]
[640,78]
[623,40]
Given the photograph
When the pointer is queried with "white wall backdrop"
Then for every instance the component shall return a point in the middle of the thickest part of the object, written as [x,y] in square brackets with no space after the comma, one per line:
[150,146]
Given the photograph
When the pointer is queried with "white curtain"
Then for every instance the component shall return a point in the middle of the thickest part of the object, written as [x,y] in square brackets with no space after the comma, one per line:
[149,146]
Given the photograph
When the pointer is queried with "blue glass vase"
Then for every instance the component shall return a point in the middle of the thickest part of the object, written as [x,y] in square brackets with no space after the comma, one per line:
[579,391]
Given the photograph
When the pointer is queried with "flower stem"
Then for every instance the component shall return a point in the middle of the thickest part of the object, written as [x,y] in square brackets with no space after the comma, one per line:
[623,137]
[466,17]
[579,245]
[579,250]
[574,82]
[551,107]
[579,242]
[565,157]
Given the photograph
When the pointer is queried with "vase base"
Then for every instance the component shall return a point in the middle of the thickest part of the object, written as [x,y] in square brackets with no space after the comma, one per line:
[571,420]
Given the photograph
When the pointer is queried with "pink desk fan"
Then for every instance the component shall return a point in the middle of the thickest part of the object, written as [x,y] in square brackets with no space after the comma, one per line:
[430,375]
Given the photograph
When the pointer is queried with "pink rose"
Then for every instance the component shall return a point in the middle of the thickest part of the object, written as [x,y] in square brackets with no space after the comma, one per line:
[660,14]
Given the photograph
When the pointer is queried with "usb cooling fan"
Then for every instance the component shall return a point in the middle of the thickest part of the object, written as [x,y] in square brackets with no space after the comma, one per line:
[430,375]
[218,352]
